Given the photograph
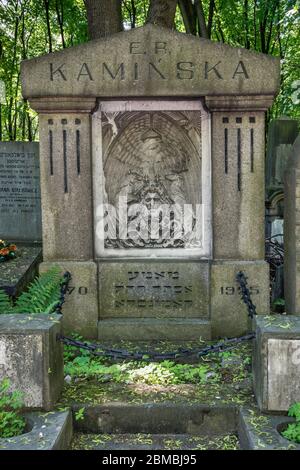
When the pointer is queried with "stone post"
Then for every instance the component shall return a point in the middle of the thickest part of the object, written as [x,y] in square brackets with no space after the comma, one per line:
[67,204]
[238,165]
[66,179]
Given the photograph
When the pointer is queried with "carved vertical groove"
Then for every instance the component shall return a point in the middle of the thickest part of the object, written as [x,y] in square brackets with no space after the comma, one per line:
[226,150]
[78,151]
[252,150]
[239,160]
[65,161]
[51,152]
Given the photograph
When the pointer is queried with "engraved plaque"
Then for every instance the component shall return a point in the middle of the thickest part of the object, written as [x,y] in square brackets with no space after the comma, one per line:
[20,199]
[151,289]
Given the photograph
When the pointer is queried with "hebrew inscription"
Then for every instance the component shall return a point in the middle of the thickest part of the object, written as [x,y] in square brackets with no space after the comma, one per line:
[154,289]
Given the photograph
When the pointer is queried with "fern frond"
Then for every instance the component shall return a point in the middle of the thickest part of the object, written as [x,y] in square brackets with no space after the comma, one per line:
[5,302]
[42,293]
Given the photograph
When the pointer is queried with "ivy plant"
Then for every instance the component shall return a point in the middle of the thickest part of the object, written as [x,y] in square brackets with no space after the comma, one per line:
[292,433]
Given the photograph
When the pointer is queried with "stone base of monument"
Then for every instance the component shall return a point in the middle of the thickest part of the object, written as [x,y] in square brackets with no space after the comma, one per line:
[276,362]
[17,273]
[263,432]
[45,431]
[170,300]
[31,357]
[164,329]
[181,426]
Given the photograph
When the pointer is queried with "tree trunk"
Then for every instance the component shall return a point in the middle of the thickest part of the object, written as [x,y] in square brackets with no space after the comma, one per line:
[201,18]
[162,12]
[104,17]
[47,13]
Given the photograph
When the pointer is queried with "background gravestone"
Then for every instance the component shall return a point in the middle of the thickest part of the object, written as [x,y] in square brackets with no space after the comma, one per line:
[20,199]
[281,137]
[292,232]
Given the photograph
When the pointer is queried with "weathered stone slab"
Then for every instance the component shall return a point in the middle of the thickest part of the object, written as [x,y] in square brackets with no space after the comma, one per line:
[281,137]
[31,357]
[18,272]
[276,362]
[47,431]
[80,310]
[153,329]
[258,431]
[156,418]
[20,198]
[154,289]
[150,61]
[229,314]
[292,232]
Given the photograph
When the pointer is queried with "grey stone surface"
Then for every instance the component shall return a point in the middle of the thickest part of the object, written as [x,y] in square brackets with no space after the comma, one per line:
[157,418]
[20,196]
[32,358]
[47,431]
[66,186]
[292,232]
[166,65]
[257,431]
[282,134]
[238,162]
[80,310]
[17,273]
[276,362]
[154,289]
[146,329]
[229,315]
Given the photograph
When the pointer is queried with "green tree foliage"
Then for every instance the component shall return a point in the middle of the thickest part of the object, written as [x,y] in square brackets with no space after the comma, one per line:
[29,28]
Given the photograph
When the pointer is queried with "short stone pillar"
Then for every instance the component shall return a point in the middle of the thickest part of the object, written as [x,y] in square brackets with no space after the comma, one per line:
[292,232]
[31,357]
[276,362]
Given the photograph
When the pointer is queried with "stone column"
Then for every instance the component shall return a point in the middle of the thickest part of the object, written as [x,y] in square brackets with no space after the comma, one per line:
[292,232]
[67,204]
[238,182]
[66,178]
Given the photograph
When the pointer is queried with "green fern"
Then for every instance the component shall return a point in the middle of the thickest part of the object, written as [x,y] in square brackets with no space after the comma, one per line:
[42,295]
[5,302]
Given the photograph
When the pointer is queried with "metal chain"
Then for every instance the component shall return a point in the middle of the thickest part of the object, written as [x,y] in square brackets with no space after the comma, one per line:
[153,356]
[63,291]
[245,293]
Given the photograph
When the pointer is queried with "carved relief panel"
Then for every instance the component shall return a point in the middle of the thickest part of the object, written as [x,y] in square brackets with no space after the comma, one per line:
[149,180]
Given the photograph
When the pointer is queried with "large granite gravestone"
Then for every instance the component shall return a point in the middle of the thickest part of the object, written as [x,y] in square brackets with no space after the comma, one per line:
[20,198]
[152,179]
[281,137]
[292,232]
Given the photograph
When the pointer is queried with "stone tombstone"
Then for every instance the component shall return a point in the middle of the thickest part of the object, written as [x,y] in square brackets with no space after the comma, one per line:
[152,180]
[281,137]
[292,232]
[20,198]
[276,361]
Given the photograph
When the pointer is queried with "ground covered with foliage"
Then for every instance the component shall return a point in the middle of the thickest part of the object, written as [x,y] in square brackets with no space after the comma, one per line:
[153,442]
[220,378]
